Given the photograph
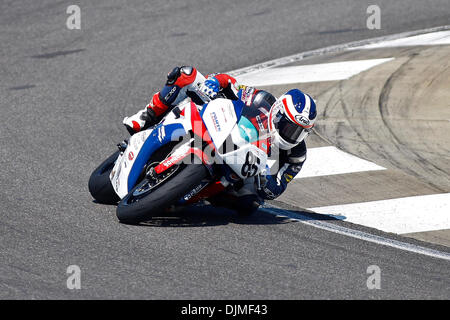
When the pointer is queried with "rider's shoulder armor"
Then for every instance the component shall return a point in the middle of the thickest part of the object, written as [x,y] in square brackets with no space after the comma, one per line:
[262,96]
[256,98]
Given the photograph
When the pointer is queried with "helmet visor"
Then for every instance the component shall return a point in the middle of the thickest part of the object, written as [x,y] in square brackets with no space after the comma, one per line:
[288,130]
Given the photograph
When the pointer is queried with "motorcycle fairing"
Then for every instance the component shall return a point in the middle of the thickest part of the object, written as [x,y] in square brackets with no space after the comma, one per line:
[220,117]
[140,147]
[223,120]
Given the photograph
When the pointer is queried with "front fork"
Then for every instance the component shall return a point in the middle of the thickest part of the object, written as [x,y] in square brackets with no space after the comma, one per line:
[258,182]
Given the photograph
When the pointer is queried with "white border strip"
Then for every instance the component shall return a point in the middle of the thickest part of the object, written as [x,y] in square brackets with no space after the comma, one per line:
[327,161]
[332,71]
[330,49]
[358,234]
[438,38]
[399,215]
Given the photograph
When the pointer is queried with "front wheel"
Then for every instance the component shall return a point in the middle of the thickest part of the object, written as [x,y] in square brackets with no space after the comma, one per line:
[149,198]
[100,185]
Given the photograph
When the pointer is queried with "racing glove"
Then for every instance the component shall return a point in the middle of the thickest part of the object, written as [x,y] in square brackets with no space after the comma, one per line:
[210,87]
[272,186]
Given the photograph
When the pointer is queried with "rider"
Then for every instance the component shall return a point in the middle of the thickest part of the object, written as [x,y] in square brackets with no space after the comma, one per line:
[291,119]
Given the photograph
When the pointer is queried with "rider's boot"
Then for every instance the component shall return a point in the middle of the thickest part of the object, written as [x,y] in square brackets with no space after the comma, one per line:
[147,117]
[247,198]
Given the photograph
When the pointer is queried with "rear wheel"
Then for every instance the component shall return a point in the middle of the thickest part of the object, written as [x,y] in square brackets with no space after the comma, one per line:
[152,196]
[100,185]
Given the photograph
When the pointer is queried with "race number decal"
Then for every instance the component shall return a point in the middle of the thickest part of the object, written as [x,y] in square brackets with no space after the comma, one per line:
[251,164]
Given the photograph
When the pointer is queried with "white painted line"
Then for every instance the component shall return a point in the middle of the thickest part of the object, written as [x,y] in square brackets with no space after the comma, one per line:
[309,73]
[402,215]
[405,246]
[326,161]
[429,39]
[328,50]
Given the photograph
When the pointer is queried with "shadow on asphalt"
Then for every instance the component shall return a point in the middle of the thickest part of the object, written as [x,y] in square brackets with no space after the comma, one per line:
[56,54]
[203,216]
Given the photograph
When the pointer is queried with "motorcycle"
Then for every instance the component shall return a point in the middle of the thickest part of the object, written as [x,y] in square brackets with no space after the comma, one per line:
[195,153]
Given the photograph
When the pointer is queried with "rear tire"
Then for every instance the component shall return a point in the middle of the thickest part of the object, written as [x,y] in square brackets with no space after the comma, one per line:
[100,185]
[132,210]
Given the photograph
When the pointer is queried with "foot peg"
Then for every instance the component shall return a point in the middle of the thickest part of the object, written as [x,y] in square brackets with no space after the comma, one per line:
[122,145]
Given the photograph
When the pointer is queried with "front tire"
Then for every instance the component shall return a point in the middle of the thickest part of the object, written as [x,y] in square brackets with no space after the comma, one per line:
[100,185]
[134,208]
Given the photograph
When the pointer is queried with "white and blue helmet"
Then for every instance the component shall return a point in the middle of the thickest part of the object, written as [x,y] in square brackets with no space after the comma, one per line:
[291,119]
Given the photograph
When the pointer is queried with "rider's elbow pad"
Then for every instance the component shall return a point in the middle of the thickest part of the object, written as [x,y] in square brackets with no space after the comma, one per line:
[297,155]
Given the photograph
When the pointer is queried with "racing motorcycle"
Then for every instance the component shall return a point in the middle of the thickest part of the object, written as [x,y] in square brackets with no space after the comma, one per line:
[194,153]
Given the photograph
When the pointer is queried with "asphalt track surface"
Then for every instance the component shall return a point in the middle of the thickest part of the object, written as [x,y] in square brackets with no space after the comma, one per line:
[63,96]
